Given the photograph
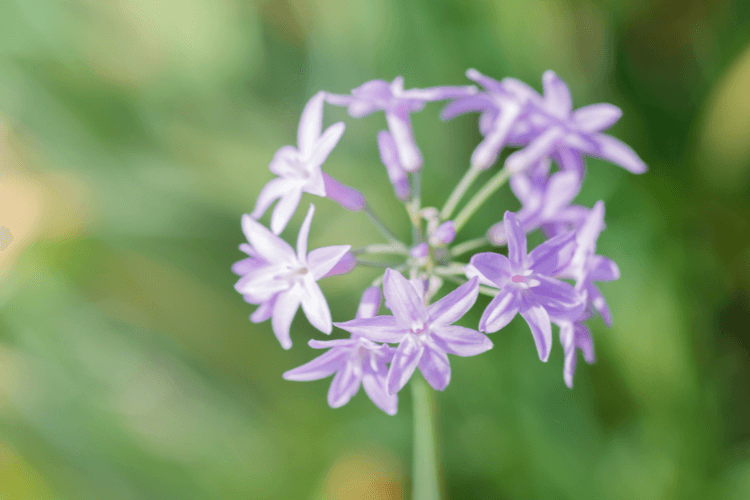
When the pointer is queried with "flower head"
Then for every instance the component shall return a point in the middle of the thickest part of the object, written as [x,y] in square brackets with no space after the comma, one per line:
[280,280]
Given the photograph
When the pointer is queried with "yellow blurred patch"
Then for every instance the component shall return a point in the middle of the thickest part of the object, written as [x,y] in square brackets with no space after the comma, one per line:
[371,474]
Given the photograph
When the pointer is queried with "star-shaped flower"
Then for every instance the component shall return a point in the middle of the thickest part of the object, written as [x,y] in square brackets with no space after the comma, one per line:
[279,280]
[298,169]
[426,334]
[398,104]
[526,284]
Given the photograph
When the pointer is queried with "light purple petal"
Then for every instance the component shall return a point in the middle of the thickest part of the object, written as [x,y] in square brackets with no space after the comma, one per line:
[537,149]
[343,266]
[377,329]
[268,245]
[521,91]
[569,160]
[261,284]
[560,299]
[403,300]
[327,344]
[325,144]
[553,255]
[435,368]
[284,309]
[389,157]
[596,117]
[500,311]
[403,364]
[603,269]
[597,300]
[370,303]
[285,208]
[399,125]
[304,232]
[310,124]
[567,339]
[344,385]
[493,267]
[617,152]
[562,188]
[376,390]
[460,341]
[439,93]
[315,306]
[321,261]
[485,81]
[473,104]
[556,95]
[485,154]
[323,366]
[516,241]
[453,306]
[347,197]
[273,190]
[584,342]
[244,266]
[444,234]
[264,311]
[286,163]
[541,328]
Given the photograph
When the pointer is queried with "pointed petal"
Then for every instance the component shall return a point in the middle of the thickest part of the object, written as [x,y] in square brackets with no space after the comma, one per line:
[268,245]
[377,329]
[264,311]
[557,98]
[500,311]
[460,341]
[344,385]
[261,284]
[399,124]
[516,240]
[559,298]
[584,342]
[569,160]
[473,104]
[541,328]
[304,232]
[322,260]
[403,300]
[485,81]
[440,93]
[327,344]
[325,144]
[553,255]
[396,173]
[485,154]
[493,267]
[596,117]
[323,366]
[404,363]
[244,266]
[285,162]
[453,306]
[285,208]
[603,269]
[315,306]
[562,188]
[540,147]
[597,300]
[370,303]
[617,152]
[567,339]
[310,123]
[346,196]
[435,368]
[273,190]
[284,309]
[375,389]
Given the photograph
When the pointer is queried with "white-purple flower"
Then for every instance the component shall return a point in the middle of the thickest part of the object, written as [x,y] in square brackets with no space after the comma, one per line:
[278,280]
[426,334]
[355,361]
[398,104]
[298,169]
[526,284]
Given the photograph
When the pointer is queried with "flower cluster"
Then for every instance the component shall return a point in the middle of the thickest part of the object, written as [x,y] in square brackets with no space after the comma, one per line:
[552,283]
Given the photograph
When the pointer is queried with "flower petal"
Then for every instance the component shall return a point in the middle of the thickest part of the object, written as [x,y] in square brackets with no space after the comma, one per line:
[344,385]
[396,173]
[516,240]
[541,328]
[345,265]
[268,245]
[617,152]
[264,311]
[485,154]
[375,388]
[500,311]
[403,300]
[273,190]
[285,208]
[399,124]
[325,144]
[596,117]
[322,260]
[370,303]
[435,368]
[315,306]
[327,344]
[377,329]
[460,341]
[597,300]
[553,255]
[474,104]
[560,191]
[492,267]
[485,81]
[557,98]
[559,298]
[346,196]
[403,364]
[453,306]
[284,308]
[323,366]
[310,124]
[603,269]
[304,232]
[440,93]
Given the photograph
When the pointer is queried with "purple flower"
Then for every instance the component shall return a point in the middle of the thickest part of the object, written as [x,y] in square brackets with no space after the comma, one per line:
[546,202]
[526,285]
[347,197]
[379,95]
[425,334]
[575,336]
[355,361]
[298,169]
[444,234]
[396,173]
[279,281]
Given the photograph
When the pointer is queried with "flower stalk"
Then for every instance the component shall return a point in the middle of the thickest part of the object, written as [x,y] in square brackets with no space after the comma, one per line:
[426,473]
[488,190]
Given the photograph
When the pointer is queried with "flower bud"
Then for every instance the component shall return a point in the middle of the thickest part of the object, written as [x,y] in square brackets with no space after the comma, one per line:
[444,234]
[347,197]
[343,266]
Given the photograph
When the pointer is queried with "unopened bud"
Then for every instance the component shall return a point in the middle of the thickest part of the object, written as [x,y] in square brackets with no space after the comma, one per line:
[347,197]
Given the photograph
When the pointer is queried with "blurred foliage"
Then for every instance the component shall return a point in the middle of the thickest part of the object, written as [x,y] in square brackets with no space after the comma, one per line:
[134,134]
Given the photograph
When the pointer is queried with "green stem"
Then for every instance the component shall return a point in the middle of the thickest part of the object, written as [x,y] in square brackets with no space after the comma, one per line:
[493,185]
[464,184]
[426,480]
[414,206]
[468,246]
[381,227]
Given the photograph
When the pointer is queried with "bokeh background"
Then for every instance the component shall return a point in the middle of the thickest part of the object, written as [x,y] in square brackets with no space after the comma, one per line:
[135,133]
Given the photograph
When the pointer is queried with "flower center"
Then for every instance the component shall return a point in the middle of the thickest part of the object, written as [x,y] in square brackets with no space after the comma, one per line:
[524,280]
[518,279]
[418,328]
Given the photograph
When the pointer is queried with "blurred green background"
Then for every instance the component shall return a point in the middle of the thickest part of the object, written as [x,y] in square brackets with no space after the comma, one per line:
[135,133]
